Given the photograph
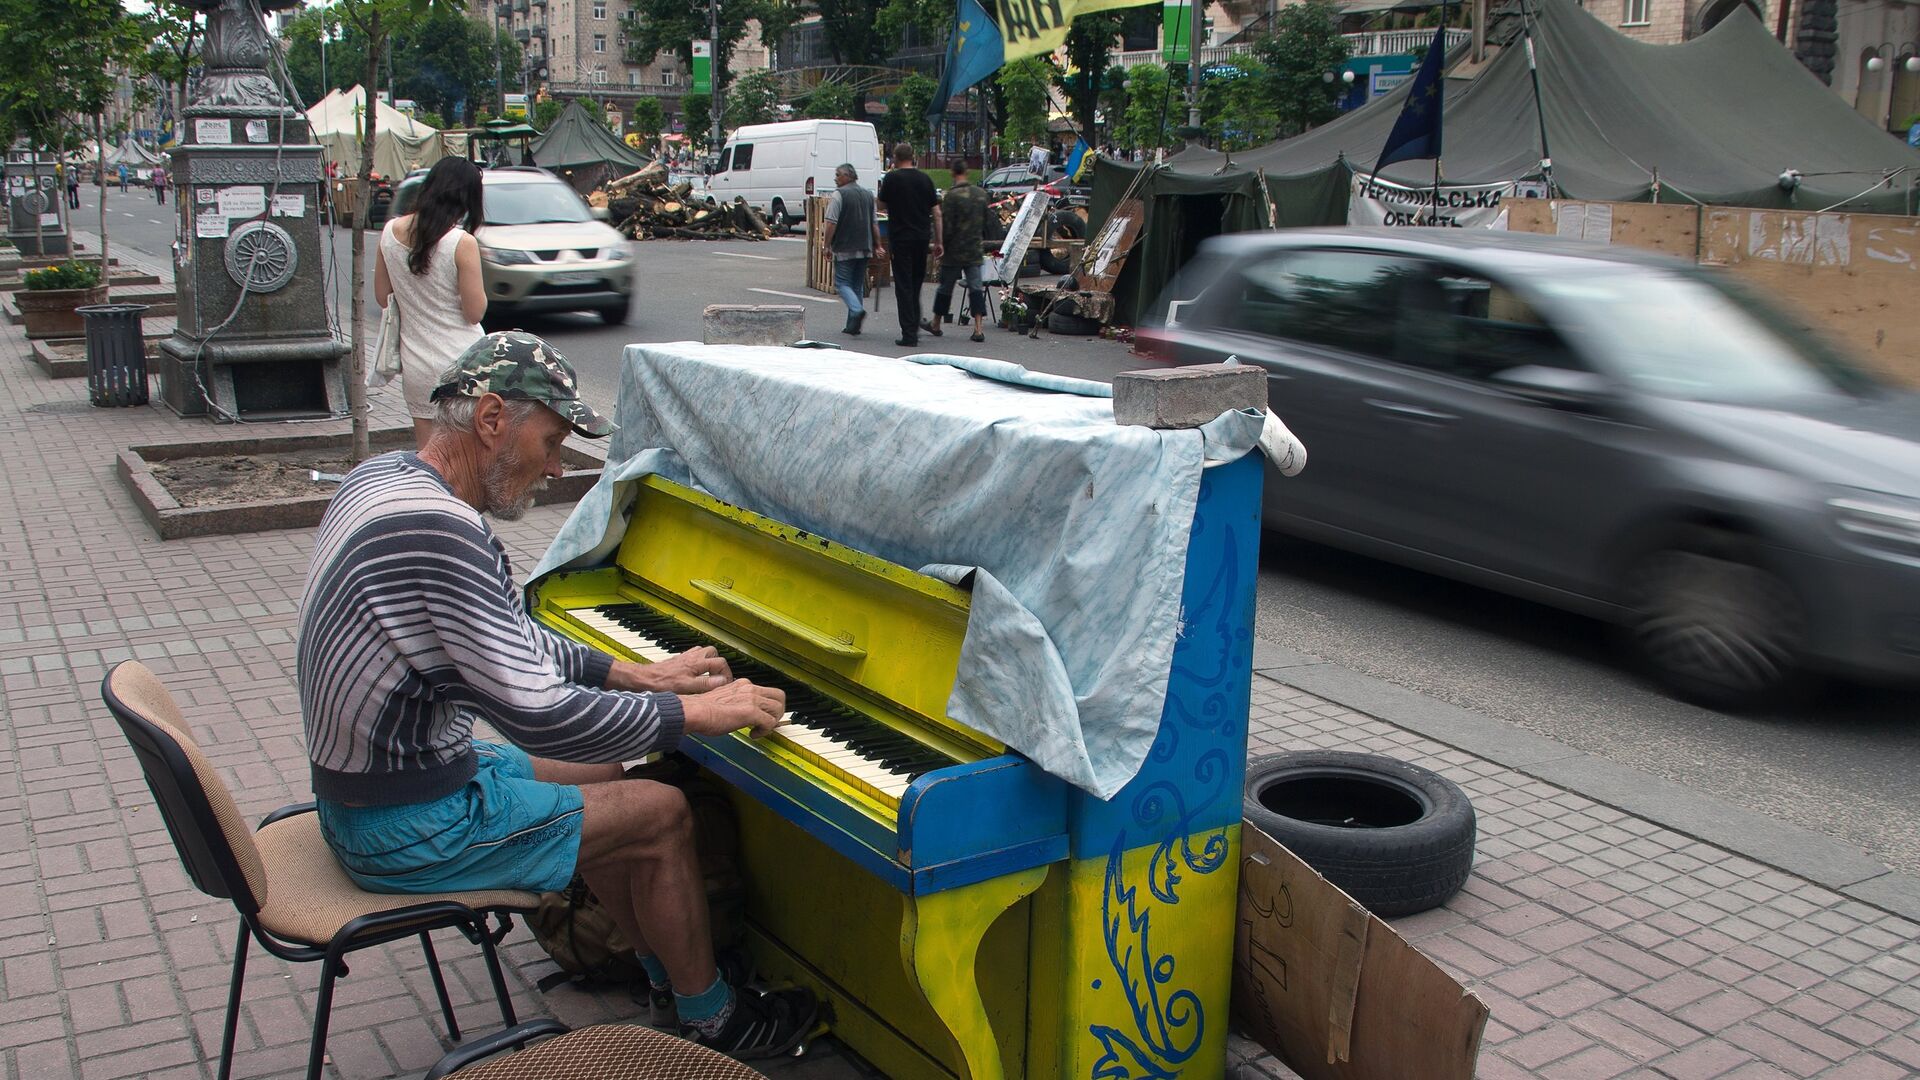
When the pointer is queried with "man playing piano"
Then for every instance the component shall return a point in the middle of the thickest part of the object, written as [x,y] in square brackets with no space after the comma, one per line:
[411,628]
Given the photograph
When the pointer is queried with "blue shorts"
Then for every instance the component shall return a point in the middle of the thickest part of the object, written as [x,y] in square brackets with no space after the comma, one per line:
[503,830]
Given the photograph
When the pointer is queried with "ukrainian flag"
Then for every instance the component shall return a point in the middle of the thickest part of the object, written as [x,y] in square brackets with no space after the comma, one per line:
[1080,162]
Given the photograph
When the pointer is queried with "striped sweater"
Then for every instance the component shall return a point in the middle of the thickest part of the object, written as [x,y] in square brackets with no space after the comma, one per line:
[411,627]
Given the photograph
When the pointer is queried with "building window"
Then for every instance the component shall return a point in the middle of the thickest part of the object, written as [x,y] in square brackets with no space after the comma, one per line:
[599,9]
[666,78]
[633,78]
[599,43]
[599,76]
[1635,13]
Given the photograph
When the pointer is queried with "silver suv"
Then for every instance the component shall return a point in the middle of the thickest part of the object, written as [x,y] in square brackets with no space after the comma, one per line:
[542,248]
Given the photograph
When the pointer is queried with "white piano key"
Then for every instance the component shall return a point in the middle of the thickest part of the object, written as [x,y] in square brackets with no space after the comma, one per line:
[637,644]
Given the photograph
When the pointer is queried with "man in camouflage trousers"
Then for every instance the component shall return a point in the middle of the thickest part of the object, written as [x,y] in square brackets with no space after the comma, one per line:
[964,209]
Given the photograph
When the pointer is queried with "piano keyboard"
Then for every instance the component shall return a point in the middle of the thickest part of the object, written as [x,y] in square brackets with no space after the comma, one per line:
[832,736]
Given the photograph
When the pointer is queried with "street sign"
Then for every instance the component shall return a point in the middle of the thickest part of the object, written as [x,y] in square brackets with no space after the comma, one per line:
[703,67]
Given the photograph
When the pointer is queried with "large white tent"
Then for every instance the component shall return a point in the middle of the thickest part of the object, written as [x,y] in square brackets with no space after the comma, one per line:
[401,143]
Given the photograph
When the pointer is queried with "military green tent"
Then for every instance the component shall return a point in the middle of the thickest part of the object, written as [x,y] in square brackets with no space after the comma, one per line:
[1718,120]
[580,149]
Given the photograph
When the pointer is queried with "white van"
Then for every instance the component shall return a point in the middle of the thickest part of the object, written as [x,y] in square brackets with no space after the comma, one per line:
[776,166]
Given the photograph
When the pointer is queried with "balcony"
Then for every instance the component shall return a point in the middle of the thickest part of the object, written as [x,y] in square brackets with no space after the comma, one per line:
[520,7]
[1398,42]
[539,30]
[521,35]
[503,10]
[1212,54]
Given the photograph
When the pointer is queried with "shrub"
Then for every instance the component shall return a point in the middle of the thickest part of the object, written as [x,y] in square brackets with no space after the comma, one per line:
[67,275]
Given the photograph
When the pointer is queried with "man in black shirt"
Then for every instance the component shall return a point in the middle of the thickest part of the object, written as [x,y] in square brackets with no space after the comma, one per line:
[912,206]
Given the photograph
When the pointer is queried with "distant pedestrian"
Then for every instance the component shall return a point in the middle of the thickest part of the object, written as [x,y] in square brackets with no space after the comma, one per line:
[123,178]
[912,205]
[964,210]
[73,188]
[429,266]
[159,178]
[853,236]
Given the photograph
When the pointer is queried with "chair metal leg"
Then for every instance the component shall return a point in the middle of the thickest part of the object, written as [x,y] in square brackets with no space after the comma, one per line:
[322,1013]
[233,1002]
[493,972]
[440,986]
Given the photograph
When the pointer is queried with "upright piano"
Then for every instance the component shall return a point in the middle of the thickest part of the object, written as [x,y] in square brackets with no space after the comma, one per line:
[965,913]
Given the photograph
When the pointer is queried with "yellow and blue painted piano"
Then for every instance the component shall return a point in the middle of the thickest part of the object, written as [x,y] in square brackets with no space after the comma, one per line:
[965,913]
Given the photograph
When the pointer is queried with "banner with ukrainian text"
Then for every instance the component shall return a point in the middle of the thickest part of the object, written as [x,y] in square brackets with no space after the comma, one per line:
[1037,27]
[1459,206]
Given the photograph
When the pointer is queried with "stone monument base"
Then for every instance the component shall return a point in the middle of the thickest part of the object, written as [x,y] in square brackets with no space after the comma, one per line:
[284,379]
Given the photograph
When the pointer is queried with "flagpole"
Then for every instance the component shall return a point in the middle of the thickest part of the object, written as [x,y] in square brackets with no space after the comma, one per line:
[1436,158]
[1539,107]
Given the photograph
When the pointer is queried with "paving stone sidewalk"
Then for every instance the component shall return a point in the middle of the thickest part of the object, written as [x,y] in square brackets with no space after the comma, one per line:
[1605,945]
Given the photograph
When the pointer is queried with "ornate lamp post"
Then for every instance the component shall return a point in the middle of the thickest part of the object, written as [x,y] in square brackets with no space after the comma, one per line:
[253,338]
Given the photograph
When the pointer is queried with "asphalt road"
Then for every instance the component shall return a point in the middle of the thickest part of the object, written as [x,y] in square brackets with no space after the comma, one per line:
[1842,765]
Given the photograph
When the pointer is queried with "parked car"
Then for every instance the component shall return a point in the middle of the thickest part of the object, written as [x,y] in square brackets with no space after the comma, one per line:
[1608,432]
[774,167]
[542,248]
[1011,181]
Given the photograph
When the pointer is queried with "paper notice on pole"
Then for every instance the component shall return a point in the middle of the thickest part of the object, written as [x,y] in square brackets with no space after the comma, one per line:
[204,196]
[245,201]
[50,219]
[213,131]
[256,131]
[210,225]
[289,206]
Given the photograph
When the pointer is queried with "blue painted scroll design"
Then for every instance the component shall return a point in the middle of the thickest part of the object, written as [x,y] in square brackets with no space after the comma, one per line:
[1169,1021]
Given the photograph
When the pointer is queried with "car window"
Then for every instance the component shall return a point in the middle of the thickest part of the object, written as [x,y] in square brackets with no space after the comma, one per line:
[743,156]
[1469,325]
[726,158]
[533,203]
[1341,299]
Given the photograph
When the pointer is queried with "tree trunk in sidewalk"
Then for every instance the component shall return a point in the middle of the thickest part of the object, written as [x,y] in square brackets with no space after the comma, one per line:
[100,146]
[357,373]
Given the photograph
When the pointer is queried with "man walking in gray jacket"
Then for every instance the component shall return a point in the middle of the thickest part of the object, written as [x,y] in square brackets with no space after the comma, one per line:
[853,236]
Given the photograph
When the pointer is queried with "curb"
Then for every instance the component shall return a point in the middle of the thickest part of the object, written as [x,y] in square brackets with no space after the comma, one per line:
[1790,848]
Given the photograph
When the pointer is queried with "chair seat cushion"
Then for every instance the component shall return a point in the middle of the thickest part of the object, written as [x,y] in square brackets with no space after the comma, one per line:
[309,897]
[612,1052]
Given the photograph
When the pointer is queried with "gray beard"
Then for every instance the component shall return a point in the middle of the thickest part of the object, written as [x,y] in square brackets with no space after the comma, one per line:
[503,503]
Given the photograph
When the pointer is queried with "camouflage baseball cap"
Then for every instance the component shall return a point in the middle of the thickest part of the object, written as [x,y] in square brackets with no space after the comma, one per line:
[518,366]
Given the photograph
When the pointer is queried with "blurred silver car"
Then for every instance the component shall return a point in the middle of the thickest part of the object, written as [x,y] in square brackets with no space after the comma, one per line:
[542,248]
[1608,432]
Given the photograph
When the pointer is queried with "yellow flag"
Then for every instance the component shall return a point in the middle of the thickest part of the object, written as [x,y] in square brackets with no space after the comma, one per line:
[1034,27]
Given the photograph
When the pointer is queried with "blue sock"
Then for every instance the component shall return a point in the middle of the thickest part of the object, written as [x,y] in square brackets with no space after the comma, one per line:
[708,1010]
[656,972]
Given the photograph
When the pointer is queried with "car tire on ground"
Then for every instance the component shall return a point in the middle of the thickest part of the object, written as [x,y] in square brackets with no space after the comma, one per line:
[778,217]
[1394,836]
[1065,225]
[1065,318]
[1712,623]
[616,314]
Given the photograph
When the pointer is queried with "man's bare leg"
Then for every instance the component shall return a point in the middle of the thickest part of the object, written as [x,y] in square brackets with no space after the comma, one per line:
[642,832]
[614,888]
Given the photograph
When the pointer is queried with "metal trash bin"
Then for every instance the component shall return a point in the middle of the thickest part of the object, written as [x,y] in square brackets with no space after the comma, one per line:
[116,354]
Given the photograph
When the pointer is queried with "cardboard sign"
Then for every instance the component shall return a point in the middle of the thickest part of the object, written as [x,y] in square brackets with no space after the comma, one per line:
[1004,265]
[1334,992]
[1098,272]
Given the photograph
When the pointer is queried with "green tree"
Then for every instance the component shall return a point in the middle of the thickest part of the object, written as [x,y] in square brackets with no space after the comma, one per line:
[1151,114]
[1305,45]
[446,62]
[649,119]
[1090,41]
[1113,101]
[696,112]
[753,100]
[174,30]
[1024,85]
[546,112]
[1236,108]
[933,18]
[346,53]
[830,101]
[672,26]
[61,72]
[907,109]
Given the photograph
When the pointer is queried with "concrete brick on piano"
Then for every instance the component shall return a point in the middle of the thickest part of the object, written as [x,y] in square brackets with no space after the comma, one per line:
[753,324]
[1186,397]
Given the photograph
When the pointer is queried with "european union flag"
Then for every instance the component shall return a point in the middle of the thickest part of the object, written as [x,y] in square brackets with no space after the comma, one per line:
[974,51]
[1416,134]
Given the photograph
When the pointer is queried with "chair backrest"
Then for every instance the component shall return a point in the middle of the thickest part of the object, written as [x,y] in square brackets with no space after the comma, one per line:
[207,829]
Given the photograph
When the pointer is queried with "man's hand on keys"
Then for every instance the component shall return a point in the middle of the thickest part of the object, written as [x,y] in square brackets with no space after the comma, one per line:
[695,671]
[739,704]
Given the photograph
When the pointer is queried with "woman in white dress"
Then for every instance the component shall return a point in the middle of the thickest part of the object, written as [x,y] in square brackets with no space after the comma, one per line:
[429,264]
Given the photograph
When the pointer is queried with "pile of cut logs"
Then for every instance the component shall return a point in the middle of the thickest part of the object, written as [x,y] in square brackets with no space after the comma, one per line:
[644,206]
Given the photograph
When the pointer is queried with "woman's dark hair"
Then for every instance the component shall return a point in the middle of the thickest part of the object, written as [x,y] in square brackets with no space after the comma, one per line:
[449,196]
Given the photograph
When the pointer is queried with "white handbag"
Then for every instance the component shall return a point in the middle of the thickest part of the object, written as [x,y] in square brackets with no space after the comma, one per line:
[385,366]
